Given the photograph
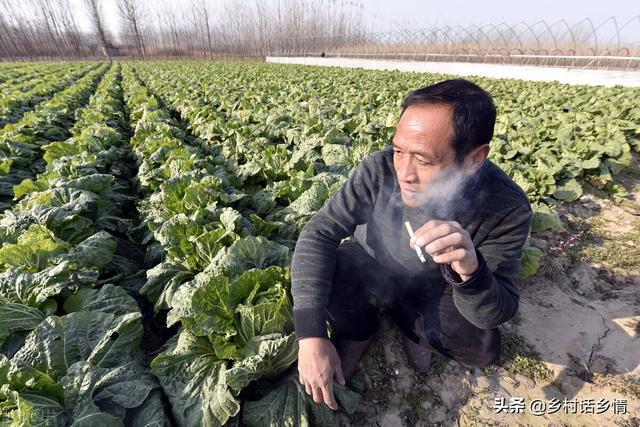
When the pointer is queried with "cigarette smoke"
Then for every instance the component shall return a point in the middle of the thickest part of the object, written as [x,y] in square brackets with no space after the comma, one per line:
[446,194]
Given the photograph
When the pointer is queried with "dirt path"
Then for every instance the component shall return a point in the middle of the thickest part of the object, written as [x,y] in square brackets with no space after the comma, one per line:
[576,337]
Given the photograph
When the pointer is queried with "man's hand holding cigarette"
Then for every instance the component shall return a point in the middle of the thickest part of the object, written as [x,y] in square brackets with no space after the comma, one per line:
[447,243]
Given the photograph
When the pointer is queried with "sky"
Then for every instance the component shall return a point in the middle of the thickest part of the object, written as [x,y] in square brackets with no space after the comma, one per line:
[386,15]
[417,14]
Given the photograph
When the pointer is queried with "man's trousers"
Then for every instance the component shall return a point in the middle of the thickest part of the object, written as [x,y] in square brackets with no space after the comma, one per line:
[425,312]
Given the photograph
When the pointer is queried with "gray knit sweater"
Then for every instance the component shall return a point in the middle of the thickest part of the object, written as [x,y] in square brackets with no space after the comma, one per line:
[491,207]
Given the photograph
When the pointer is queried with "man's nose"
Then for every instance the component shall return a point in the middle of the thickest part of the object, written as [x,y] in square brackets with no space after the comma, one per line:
[406,169]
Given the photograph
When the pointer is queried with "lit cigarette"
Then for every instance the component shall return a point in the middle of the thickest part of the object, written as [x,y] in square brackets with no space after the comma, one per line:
[418,249]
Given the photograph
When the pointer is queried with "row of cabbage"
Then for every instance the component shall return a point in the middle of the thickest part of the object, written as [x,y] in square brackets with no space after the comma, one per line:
[12,70]
[20,142]
[552,138]
[223,278]
[18,98]
[70,332]
[27,80]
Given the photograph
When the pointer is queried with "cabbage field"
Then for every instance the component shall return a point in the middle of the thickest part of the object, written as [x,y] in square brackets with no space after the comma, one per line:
[149,212]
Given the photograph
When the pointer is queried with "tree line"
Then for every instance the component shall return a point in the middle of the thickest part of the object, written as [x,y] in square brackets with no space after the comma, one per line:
[77,29]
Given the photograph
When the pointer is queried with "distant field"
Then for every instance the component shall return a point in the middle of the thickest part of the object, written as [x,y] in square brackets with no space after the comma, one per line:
[150,211]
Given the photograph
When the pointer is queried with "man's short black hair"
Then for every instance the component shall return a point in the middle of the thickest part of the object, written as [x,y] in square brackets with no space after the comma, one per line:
[474,114]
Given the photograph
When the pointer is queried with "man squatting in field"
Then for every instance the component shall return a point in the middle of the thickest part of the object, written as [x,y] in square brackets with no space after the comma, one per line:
[355,257]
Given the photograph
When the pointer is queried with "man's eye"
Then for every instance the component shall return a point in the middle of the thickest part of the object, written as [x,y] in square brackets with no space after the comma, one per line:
[397,153]
[422,161]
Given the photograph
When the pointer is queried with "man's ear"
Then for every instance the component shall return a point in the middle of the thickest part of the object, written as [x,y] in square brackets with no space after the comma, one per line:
[476,158]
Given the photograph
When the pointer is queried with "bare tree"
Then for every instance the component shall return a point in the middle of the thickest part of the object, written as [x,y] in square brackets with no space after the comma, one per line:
[159,29]
[131,13]
[205,17]
[8,41]
[73,34]
[46,36]
[195,22]
[167,25]
[50,13]
[172,24]
[201,18]
[94,10]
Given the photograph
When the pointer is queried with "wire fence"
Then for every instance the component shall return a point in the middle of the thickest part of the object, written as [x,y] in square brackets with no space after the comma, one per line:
[585,44]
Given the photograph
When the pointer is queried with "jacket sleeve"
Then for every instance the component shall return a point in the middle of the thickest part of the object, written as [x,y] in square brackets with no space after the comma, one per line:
[314,257]
[491,296]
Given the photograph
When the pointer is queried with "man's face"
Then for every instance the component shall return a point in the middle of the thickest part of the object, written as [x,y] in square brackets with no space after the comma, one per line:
[422,150]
